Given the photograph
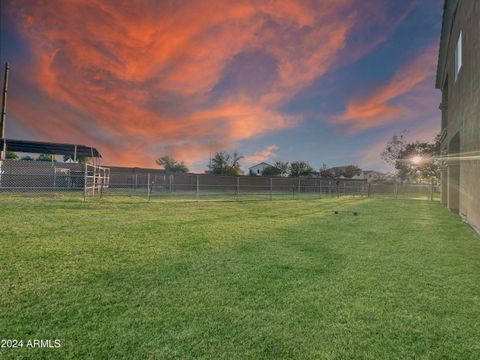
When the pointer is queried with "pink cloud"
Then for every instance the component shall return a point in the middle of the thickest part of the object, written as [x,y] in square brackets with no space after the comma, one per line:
[388,103]
[137,80]
[266,154]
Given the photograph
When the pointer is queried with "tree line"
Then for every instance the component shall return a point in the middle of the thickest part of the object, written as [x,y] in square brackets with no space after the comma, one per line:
[417,161]
[11,155]
[223,163]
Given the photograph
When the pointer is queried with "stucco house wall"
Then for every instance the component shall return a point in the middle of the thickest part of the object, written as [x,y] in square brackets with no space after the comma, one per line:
[461,109]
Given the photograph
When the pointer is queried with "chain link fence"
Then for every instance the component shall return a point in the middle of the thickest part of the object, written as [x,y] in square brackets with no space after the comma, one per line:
[206,186]
[36,178]
[54,179]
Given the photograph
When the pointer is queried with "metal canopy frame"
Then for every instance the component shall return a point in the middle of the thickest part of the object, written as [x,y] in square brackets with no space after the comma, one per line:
[40,147]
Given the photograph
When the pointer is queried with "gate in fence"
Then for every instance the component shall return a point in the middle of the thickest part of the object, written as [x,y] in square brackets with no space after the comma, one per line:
[97,180]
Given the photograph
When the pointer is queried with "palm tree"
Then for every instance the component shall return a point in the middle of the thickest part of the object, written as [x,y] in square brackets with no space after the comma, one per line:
[300,168]
[283,167]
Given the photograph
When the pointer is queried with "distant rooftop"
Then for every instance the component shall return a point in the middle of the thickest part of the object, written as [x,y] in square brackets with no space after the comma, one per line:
[262,163]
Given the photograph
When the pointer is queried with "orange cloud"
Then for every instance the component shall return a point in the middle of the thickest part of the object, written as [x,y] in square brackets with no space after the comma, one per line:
[138,80]
[384,104]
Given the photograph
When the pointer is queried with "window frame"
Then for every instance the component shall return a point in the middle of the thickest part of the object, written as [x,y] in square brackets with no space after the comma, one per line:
[458,55]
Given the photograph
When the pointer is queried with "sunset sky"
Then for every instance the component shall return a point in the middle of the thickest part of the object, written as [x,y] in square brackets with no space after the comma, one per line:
[323,81]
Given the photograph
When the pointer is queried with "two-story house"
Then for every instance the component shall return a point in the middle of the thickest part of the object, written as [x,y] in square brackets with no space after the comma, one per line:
[458,77]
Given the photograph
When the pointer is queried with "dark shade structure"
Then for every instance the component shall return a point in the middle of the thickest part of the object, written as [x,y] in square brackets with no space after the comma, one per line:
[40,147]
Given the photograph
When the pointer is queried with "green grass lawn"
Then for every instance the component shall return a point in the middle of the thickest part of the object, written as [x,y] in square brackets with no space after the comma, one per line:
[123,278]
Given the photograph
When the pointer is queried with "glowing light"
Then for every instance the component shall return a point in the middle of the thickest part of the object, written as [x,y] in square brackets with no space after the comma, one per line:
[416,159]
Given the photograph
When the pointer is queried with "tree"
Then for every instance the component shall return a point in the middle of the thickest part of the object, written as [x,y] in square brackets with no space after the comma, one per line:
[326,173]
[393,148]
[418,161]
[45,157]
[350,171]
[80,159]
[224,163]
[171,165]
[337,171]
[300,168]
[283,166]
[27,158]
[279,168]
[11,155]
[413,160]
[270,171]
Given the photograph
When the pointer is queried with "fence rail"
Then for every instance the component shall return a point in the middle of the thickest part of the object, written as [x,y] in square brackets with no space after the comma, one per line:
[31,177]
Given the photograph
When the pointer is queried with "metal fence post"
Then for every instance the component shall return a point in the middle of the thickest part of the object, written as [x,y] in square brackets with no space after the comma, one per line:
[148,187]
[396,188]
[101,174]
[85,183]
[198,187]
[237,193]
[271,186]
[299,186]
[369,189]
[94,181]
[431,191]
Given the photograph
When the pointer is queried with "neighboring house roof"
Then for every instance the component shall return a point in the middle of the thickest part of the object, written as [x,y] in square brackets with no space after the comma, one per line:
[262,163]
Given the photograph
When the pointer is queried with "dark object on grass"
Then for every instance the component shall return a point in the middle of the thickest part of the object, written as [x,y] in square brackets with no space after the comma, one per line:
[354,213]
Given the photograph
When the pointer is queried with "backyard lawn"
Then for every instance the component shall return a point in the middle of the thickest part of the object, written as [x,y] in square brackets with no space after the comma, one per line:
[123,278]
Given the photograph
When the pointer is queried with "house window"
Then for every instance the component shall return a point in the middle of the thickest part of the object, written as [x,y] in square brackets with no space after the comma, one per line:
[258,171]
[458,55]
